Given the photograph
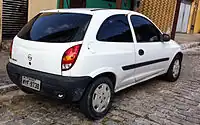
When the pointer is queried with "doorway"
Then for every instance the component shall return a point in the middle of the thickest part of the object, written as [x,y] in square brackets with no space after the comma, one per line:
[184,15]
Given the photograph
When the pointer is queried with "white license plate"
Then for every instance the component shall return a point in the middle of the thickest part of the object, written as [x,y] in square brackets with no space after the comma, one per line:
[31,83]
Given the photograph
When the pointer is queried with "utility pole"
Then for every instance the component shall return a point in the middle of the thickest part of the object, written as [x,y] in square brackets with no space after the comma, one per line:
[61,4]
[118,4]
[173,33]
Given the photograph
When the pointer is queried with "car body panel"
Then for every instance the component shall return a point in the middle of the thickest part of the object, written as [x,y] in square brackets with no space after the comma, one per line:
[98,57]
[46,57]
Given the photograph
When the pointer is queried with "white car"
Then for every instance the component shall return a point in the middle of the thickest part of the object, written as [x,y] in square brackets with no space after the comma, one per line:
[87,55]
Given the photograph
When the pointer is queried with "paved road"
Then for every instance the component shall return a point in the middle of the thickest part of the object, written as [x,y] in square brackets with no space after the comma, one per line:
[3,76]
[151,103]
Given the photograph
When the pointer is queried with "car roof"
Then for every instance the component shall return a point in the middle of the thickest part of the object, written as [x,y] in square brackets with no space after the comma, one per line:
[92,11]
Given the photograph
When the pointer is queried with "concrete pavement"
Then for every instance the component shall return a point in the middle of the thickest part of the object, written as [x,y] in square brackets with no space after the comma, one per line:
[187,38]
[4,80]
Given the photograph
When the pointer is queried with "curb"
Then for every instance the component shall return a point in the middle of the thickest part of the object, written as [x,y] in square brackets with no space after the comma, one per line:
[189,45]
[7,88]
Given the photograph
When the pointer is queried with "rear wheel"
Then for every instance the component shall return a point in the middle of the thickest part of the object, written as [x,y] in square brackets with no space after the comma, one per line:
[174,70]
[96,102]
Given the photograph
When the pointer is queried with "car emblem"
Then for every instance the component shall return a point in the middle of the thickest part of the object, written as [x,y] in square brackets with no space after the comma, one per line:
[30,57]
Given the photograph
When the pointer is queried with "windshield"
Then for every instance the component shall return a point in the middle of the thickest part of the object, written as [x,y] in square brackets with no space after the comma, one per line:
[56,27]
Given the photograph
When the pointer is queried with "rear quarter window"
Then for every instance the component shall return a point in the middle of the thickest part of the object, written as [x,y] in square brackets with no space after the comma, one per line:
[56,27]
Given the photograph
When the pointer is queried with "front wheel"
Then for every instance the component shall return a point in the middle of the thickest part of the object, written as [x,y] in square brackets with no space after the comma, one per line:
[174,70]
[96,102]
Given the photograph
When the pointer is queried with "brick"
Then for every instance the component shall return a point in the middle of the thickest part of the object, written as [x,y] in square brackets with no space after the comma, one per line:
[156,118]
[193,120]
[142,121]
[12,123]
[28,121]
[110,122]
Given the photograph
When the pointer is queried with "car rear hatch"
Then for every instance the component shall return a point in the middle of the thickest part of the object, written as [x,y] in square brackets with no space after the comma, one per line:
[40,45]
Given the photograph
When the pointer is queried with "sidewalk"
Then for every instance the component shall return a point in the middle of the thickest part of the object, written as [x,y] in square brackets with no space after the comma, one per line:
[3,62]
[5,83]
[187,38]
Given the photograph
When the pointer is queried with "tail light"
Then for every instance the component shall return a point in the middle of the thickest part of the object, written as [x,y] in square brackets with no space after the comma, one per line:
[11,45]
[69,57]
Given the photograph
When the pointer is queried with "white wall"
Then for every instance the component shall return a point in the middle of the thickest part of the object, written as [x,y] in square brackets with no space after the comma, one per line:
[35,6]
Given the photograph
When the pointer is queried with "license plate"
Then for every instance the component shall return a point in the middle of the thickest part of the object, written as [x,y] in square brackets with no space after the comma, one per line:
[31,83]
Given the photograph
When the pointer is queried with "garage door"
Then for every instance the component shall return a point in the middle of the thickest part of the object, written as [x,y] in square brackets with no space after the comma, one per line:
[184,15]
[15,14]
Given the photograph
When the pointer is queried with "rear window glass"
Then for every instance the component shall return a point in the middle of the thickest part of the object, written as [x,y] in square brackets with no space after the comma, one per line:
[56,27]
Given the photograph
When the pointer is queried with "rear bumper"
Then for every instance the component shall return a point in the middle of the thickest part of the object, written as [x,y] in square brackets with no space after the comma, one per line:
[51,85]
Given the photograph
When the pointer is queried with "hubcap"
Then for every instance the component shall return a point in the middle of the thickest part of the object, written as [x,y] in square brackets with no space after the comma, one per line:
[101,97]
[176,68]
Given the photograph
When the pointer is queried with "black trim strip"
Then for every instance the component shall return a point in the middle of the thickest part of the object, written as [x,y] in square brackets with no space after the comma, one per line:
[133,66]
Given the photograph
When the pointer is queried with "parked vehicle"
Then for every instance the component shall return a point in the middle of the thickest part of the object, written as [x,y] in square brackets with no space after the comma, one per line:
[87,55]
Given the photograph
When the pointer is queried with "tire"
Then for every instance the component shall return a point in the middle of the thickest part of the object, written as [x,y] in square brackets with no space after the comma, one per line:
[89,103]
[170,75]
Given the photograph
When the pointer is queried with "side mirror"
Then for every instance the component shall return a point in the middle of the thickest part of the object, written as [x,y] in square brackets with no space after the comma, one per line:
[166,37]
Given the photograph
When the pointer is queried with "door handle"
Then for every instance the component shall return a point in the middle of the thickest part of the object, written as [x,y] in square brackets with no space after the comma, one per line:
[141,52]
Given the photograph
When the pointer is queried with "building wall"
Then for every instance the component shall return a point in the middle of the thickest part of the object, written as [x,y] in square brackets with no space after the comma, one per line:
[197,22]
[126,4]
[161,12]
[191,17]
[35,6]
[66,4]
[194,18]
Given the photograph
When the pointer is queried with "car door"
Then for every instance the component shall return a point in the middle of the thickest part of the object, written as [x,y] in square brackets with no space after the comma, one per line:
[114,49]
[151,53]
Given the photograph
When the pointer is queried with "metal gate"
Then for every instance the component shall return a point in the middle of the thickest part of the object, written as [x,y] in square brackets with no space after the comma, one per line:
[15,15]
[161,12]
[184,15]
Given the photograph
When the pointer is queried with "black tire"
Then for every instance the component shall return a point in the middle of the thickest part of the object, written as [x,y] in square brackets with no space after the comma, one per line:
[86,102]
[169,75]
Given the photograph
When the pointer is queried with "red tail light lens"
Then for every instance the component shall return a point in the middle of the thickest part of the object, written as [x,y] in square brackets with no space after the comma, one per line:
[69,57]
[11,45]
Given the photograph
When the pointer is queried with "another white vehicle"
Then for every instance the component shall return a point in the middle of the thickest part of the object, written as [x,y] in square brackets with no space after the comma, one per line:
[87,55]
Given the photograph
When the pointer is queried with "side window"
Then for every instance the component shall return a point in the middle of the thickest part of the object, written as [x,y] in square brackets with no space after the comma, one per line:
[145,31]
[115,29]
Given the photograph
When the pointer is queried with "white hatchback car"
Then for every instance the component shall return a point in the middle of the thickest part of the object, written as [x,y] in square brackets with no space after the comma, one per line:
[87,55]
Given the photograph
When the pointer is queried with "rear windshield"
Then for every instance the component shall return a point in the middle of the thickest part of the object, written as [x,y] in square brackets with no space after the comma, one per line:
[56,27]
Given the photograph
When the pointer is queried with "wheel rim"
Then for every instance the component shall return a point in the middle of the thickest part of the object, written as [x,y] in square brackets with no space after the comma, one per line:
[176,68]
[101,97]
